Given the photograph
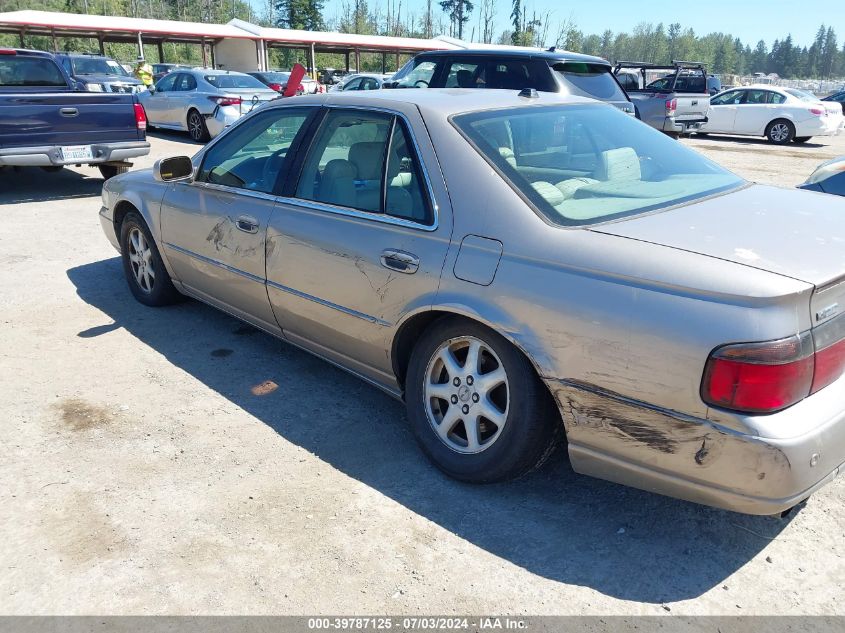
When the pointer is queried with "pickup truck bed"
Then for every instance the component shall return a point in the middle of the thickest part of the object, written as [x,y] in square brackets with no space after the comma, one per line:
[45,122]
[677,103]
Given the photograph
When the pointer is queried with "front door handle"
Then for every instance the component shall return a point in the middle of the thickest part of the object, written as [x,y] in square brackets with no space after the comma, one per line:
[68,111]
[247,224]
[400,261]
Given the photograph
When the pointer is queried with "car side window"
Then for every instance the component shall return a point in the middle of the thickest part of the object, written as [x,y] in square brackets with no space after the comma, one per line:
[755,97]
[353,85]
[368,83]
[185,82]
[254,156]
[775,97]
[420,76]
[728,98]
[365,161]
[464,75]
[166,83]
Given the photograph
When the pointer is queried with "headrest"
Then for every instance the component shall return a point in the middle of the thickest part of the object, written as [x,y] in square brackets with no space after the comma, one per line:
[367,158]
[620,164]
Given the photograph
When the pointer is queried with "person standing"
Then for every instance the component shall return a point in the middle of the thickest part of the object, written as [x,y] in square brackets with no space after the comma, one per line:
[144,72]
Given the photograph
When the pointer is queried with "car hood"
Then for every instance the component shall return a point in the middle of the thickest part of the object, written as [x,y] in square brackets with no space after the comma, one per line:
[797,234]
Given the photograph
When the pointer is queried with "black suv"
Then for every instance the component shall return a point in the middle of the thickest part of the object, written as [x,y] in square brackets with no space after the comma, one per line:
[95,73]
[514,69]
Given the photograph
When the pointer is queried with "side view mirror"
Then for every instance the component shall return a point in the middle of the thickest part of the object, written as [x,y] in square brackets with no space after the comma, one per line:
[173,169]
[152,88]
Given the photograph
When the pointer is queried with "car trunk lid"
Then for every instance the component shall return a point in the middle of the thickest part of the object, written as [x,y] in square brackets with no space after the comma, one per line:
[793,233]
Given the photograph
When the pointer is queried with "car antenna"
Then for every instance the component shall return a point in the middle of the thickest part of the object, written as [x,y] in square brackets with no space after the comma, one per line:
[529,93]
[551,49]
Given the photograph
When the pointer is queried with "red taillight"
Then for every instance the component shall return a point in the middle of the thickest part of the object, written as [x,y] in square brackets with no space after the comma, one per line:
[8,51]
[140,117]
[771,376]
[277,87]
[227,101]
[816,111]
[671,106]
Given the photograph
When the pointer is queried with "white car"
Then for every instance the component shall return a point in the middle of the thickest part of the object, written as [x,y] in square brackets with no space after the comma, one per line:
[780,114]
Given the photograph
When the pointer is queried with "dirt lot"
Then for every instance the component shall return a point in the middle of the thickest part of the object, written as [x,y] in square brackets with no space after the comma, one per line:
[148,468]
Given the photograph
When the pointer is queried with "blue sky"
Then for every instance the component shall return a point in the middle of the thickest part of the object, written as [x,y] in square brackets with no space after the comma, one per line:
[751,20]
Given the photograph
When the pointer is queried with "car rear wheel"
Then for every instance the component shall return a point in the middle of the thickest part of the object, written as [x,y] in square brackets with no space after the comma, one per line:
[780,132]
[801,139]
[110,171]
[476,405]
[145,272]
[52,168]
[197,128]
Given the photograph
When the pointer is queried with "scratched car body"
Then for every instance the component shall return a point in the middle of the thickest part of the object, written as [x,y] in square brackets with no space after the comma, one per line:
[521,269]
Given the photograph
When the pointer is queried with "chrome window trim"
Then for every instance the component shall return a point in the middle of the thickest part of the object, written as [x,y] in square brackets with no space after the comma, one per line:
[249,193]
[355,213]
[380,217]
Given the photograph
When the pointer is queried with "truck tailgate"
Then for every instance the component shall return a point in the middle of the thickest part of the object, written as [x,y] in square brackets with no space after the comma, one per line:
[66,118]
[691,107]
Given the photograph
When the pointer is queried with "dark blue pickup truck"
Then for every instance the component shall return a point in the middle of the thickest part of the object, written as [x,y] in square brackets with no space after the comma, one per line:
[45,122]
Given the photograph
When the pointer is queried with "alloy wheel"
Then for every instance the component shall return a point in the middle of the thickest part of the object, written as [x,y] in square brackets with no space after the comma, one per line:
[195,126]
[466,394]
[140,258]
[779,132]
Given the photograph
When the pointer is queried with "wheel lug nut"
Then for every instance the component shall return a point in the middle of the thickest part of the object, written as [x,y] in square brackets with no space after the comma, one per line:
[475,397]
[470,380]
[454,399]
[457,382]
[465,408]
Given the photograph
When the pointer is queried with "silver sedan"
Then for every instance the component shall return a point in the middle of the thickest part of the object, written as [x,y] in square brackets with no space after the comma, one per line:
[201,101]
[523,270]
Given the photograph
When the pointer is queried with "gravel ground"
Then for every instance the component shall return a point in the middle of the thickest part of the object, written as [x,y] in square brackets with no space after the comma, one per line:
[149,467]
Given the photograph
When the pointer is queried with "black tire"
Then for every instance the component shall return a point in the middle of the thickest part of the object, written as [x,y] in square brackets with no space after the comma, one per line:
[801,139]
[197,128]
[110,171]
[674,135]
[531,429]
[161,291]
[780,132]
[52,169]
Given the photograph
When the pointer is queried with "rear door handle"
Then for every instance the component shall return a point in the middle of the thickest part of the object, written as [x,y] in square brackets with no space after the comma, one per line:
[68,111]
[247,224]
[400,261]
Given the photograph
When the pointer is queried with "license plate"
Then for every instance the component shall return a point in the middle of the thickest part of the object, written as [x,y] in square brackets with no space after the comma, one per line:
[77,152]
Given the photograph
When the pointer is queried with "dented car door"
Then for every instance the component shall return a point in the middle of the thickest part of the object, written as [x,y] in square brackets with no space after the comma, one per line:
[214,227]
[358,241]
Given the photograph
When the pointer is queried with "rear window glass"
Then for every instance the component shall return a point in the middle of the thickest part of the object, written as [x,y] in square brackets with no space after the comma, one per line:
[589,80]
[234,81]
[801,94]
[19,70]
[585,164]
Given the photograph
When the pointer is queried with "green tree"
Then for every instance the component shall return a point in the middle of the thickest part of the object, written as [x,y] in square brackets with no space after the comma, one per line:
[458,12]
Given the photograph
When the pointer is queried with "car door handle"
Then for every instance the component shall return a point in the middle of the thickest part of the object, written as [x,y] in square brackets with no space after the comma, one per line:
[247,224]
[68,111]
[400,261]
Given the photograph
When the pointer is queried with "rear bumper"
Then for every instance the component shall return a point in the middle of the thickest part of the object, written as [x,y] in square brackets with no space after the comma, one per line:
[820,126]
[47,155]
[220,119]
[630,442]
[683,127]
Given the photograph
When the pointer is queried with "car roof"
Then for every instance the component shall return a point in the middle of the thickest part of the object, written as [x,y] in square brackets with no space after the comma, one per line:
[440,101]
[550,55]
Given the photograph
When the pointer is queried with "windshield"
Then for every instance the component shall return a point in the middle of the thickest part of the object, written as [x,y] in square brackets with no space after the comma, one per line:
[589,80]
[235,81]
[801,94]
[97,66]
[582,164]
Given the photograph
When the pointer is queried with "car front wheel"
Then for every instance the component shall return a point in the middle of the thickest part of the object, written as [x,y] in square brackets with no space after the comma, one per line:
[145,272]
[476,405]
[780,132]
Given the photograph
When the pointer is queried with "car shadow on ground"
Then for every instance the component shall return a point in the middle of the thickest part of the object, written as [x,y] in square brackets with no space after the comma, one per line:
[755,140]
[172,135]
[622,542]
[33,184]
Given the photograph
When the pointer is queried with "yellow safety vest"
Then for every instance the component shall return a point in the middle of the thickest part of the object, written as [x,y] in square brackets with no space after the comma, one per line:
[144,72]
